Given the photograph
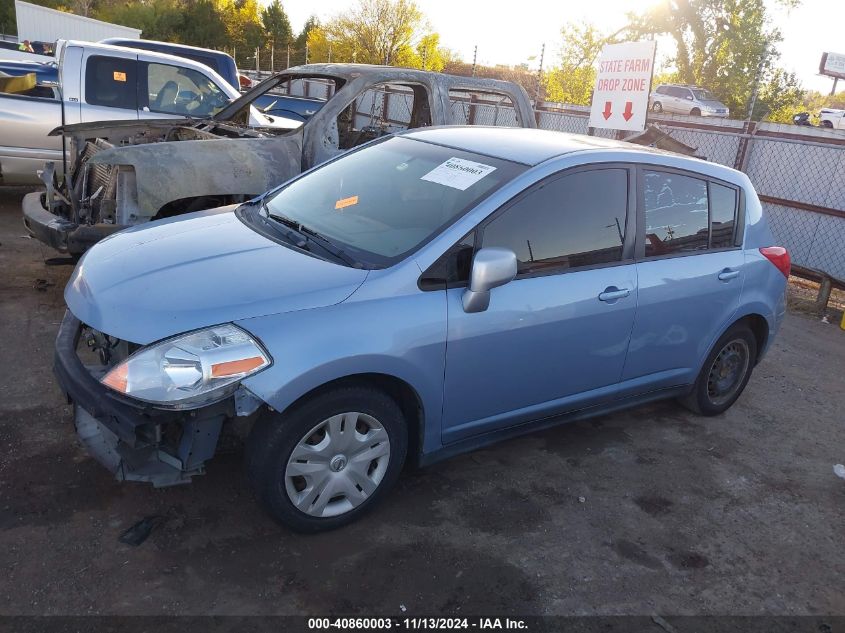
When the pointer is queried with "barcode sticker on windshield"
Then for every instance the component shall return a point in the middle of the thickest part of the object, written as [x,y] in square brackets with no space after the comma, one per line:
[346,202]
[458,173]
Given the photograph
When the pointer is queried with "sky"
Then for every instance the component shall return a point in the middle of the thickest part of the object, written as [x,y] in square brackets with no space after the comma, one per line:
[513,32]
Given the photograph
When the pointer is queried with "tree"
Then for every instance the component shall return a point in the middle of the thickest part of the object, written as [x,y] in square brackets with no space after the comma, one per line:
[572,79]
[379,31]
[311,23]
[779,98]
[8,24]
[722,45]
[243,24]
[276,24]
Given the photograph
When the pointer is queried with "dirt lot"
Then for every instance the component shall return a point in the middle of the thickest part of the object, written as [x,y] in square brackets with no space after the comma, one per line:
[650,511]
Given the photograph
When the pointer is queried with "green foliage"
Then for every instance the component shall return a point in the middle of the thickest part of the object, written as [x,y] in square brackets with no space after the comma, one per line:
[725,46]
[376,31]
[276,23]
[8,26]
[572,79]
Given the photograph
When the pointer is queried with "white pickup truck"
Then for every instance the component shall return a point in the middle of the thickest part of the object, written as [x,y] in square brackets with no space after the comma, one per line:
[99,82]
[832,118]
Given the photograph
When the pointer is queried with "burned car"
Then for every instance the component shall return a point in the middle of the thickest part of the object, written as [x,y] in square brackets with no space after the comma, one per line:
[124,173]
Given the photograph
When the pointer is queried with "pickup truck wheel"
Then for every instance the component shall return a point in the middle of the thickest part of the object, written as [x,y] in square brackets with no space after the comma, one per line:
[725,372]
[329,460]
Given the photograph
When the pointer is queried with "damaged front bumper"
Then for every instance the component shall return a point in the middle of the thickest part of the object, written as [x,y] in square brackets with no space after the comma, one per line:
[136,441]
[60,233]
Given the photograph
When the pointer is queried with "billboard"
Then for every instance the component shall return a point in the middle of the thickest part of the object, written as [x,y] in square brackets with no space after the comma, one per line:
[832,65]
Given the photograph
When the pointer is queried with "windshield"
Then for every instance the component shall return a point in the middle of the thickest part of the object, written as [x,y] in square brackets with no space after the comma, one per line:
[384,201]
[704,95]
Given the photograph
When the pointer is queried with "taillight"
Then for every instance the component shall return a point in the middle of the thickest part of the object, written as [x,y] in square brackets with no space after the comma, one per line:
[779,256]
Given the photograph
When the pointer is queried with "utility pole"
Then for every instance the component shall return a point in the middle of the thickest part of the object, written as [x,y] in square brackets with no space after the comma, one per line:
[757,83]
[287,65]
[330,52]
[306,52]
[272,57]
[257,65]
[540,76]
[474,56]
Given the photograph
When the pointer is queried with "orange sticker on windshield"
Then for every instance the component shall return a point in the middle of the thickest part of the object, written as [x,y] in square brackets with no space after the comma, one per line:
[346,202]
[119,76]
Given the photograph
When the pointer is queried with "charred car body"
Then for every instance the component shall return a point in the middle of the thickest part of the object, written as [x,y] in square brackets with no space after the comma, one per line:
[124,173]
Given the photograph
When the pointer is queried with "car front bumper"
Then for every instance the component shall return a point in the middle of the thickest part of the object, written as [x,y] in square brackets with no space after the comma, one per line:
[60,233]
[135,441]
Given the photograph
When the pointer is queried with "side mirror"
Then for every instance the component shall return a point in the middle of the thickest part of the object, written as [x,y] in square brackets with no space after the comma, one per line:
[491,268]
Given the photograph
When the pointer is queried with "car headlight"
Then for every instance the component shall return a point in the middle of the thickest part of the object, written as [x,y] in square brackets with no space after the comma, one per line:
[191,369]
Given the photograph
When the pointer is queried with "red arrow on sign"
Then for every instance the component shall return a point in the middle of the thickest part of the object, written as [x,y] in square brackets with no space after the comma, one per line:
[607,112]
[627,113]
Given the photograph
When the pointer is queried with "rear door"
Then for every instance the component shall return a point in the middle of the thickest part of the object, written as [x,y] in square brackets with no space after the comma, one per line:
[554,338]
[690,272]
[109,86]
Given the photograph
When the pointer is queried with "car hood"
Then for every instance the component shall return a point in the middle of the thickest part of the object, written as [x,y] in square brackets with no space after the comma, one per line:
[714,104]
[168,277]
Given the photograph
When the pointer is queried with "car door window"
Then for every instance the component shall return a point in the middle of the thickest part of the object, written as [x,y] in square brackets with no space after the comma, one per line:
[482,107]
[675,213]
[111,82]
[182,91]
[380,110]
[569,222]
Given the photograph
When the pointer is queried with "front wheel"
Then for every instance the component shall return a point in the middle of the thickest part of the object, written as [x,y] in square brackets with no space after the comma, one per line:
[327,461]
[695,112]
[725,372]
[657,107]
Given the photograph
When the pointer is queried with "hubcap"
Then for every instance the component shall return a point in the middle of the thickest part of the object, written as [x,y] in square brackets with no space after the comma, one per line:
[727,372]
[338,465]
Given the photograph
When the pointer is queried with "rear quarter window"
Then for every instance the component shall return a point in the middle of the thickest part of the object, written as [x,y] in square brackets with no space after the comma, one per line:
[111,82]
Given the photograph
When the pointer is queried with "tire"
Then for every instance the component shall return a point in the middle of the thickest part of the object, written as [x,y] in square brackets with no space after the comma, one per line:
[357,485]
[695,112]
[712,396]
[657,107]
[827,124]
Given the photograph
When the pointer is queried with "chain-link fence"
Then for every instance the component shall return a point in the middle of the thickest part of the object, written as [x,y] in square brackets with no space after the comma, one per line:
[797,173]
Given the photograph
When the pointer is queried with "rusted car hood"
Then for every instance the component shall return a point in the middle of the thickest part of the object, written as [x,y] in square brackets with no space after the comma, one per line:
[168,277]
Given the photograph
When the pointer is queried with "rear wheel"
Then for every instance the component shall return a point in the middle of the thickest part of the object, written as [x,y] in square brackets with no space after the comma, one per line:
[725,372]
[695,112]
[657,107]
[329,460]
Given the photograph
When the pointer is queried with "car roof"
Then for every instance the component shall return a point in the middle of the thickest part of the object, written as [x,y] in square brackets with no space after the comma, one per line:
[529,146]
[142,44]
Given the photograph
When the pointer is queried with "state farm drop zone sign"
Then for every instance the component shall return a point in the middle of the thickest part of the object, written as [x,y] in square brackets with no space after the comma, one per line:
[623,83]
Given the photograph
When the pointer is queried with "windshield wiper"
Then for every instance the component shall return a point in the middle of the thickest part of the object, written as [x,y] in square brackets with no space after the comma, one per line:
[310,235]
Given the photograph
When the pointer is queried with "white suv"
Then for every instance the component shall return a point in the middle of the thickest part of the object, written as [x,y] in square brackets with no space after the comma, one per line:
[681,99]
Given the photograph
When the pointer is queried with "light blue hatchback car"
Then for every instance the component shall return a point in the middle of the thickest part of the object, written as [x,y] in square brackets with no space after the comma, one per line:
[415,298]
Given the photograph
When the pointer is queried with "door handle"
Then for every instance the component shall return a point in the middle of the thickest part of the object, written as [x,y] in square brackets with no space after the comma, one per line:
[728,274]
[613,293]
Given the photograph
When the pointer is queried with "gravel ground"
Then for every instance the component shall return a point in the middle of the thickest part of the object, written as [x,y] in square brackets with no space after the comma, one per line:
[649,511]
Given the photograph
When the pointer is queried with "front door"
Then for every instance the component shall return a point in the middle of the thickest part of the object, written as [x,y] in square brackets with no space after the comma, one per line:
[556,337]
